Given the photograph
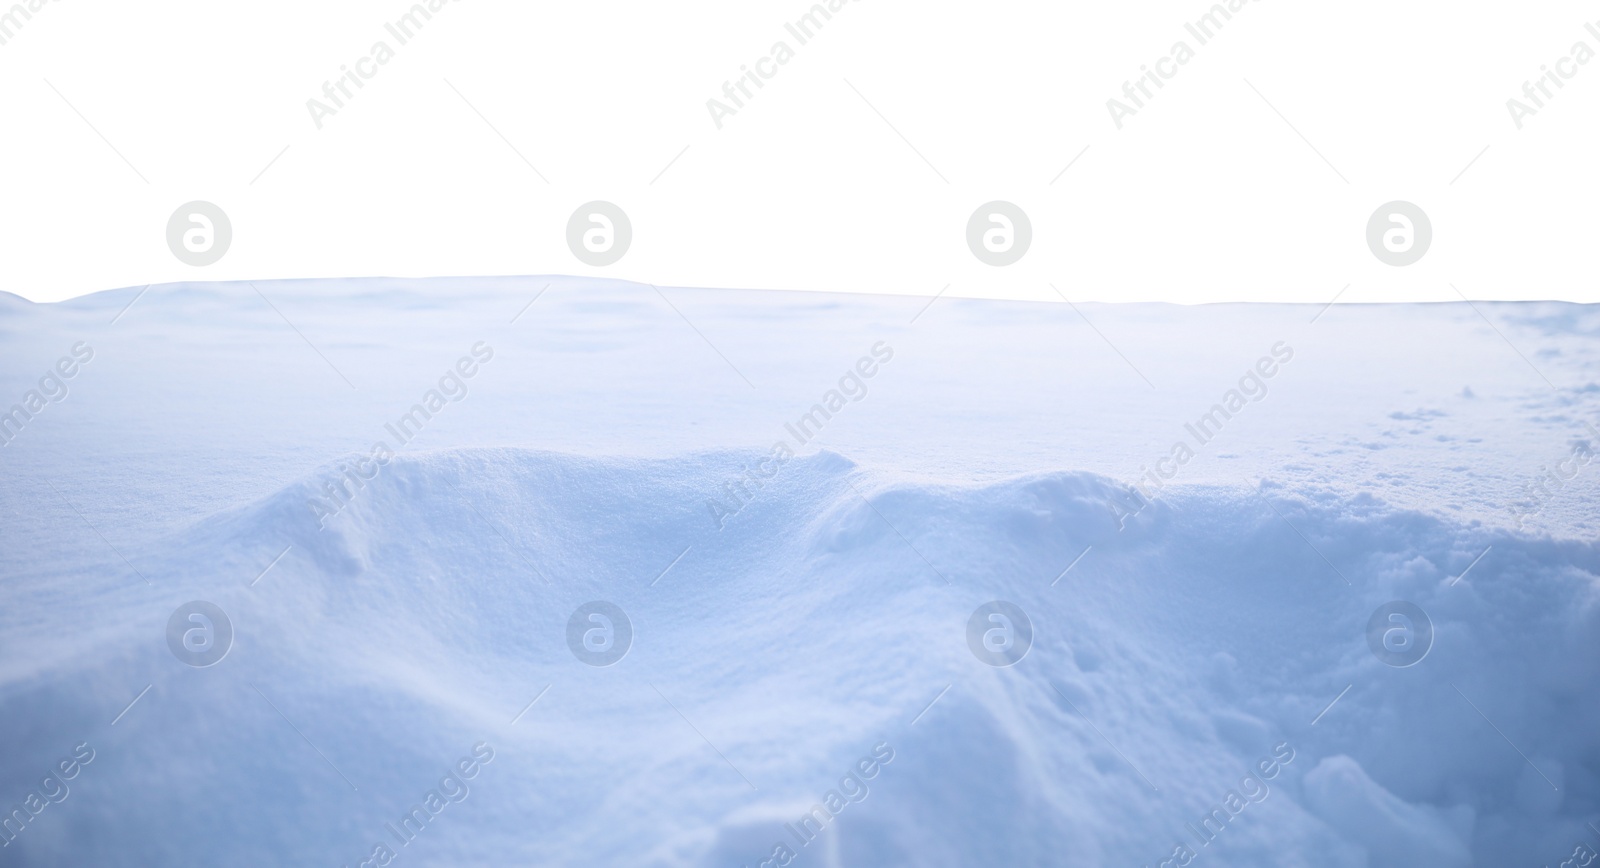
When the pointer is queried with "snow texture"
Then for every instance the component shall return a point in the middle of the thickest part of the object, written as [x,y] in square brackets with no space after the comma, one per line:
[1200,687]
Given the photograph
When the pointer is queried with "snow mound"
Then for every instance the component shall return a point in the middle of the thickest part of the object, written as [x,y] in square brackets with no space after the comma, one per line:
[1199,679]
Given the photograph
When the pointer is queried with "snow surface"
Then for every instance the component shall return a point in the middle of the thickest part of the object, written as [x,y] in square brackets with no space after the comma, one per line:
[782,638]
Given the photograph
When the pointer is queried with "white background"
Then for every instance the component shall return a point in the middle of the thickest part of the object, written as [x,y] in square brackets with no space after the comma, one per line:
[1205,195]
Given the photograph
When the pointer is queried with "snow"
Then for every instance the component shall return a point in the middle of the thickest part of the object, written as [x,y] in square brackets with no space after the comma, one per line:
[817,619]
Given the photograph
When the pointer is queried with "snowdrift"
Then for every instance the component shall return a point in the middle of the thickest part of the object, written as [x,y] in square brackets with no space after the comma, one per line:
[1199,687]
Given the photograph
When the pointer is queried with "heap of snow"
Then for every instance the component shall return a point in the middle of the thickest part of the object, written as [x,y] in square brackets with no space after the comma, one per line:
[820,629]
